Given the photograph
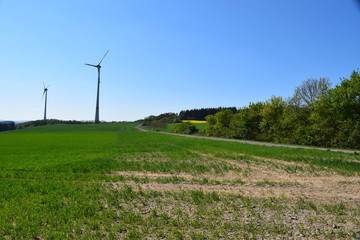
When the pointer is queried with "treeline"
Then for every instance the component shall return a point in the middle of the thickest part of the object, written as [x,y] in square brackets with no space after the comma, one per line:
[200,114]
[49,122]
[160,121]
[315,115]
[7,126]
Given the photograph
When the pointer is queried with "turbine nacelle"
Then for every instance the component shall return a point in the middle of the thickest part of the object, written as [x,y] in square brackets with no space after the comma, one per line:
[45,94]
[98,65]
[45,90]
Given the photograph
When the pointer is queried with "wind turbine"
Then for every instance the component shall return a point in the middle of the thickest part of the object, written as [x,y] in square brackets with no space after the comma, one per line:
[45,94]
[98,86]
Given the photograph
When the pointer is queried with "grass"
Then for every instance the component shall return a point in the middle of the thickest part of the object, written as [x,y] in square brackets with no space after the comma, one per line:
[57,182]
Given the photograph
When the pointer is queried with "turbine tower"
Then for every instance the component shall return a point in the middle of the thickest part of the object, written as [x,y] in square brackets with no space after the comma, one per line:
[98,87]
[45,94]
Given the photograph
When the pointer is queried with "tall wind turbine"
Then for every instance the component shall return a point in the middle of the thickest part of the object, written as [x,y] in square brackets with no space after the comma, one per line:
[45,94]
[98,86]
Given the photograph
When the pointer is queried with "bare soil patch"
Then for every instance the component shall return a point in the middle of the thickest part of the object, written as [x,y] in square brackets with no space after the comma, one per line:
[321,193]
[262,181]
[267,198]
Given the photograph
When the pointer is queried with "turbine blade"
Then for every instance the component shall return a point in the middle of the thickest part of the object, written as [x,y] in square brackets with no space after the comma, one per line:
[92,65]
[43,95]
[103,57]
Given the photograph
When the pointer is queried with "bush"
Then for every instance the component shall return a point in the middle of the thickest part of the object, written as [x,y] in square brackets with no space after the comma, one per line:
[185,128]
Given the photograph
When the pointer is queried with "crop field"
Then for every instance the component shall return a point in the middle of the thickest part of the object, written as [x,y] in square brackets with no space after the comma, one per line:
[193,121]
[112,181]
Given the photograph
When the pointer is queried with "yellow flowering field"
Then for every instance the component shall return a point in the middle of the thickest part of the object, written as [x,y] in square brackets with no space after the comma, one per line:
[193,121]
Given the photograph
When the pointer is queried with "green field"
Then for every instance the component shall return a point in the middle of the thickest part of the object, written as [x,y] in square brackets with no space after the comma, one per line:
[113,181]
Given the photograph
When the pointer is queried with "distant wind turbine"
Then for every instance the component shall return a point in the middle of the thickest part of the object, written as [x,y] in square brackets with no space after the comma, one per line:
[45,94]
[98,86]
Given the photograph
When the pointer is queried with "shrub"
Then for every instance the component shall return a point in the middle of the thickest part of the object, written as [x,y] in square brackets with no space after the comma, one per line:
[185,128]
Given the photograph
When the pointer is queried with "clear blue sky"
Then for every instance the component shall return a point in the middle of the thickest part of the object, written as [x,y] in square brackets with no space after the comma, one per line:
[167,55]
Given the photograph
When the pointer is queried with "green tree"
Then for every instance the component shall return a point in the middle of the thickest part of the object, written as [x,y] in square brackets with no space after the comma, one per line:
[211,129]
[296,126]
[219,125]
[239,125]
[336,116]
[270,124]
[253,119]
[224,119]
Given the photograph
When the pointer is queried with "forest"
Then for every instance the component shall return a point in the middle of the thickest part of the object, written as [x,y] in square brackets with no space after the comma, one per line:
[316,115]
